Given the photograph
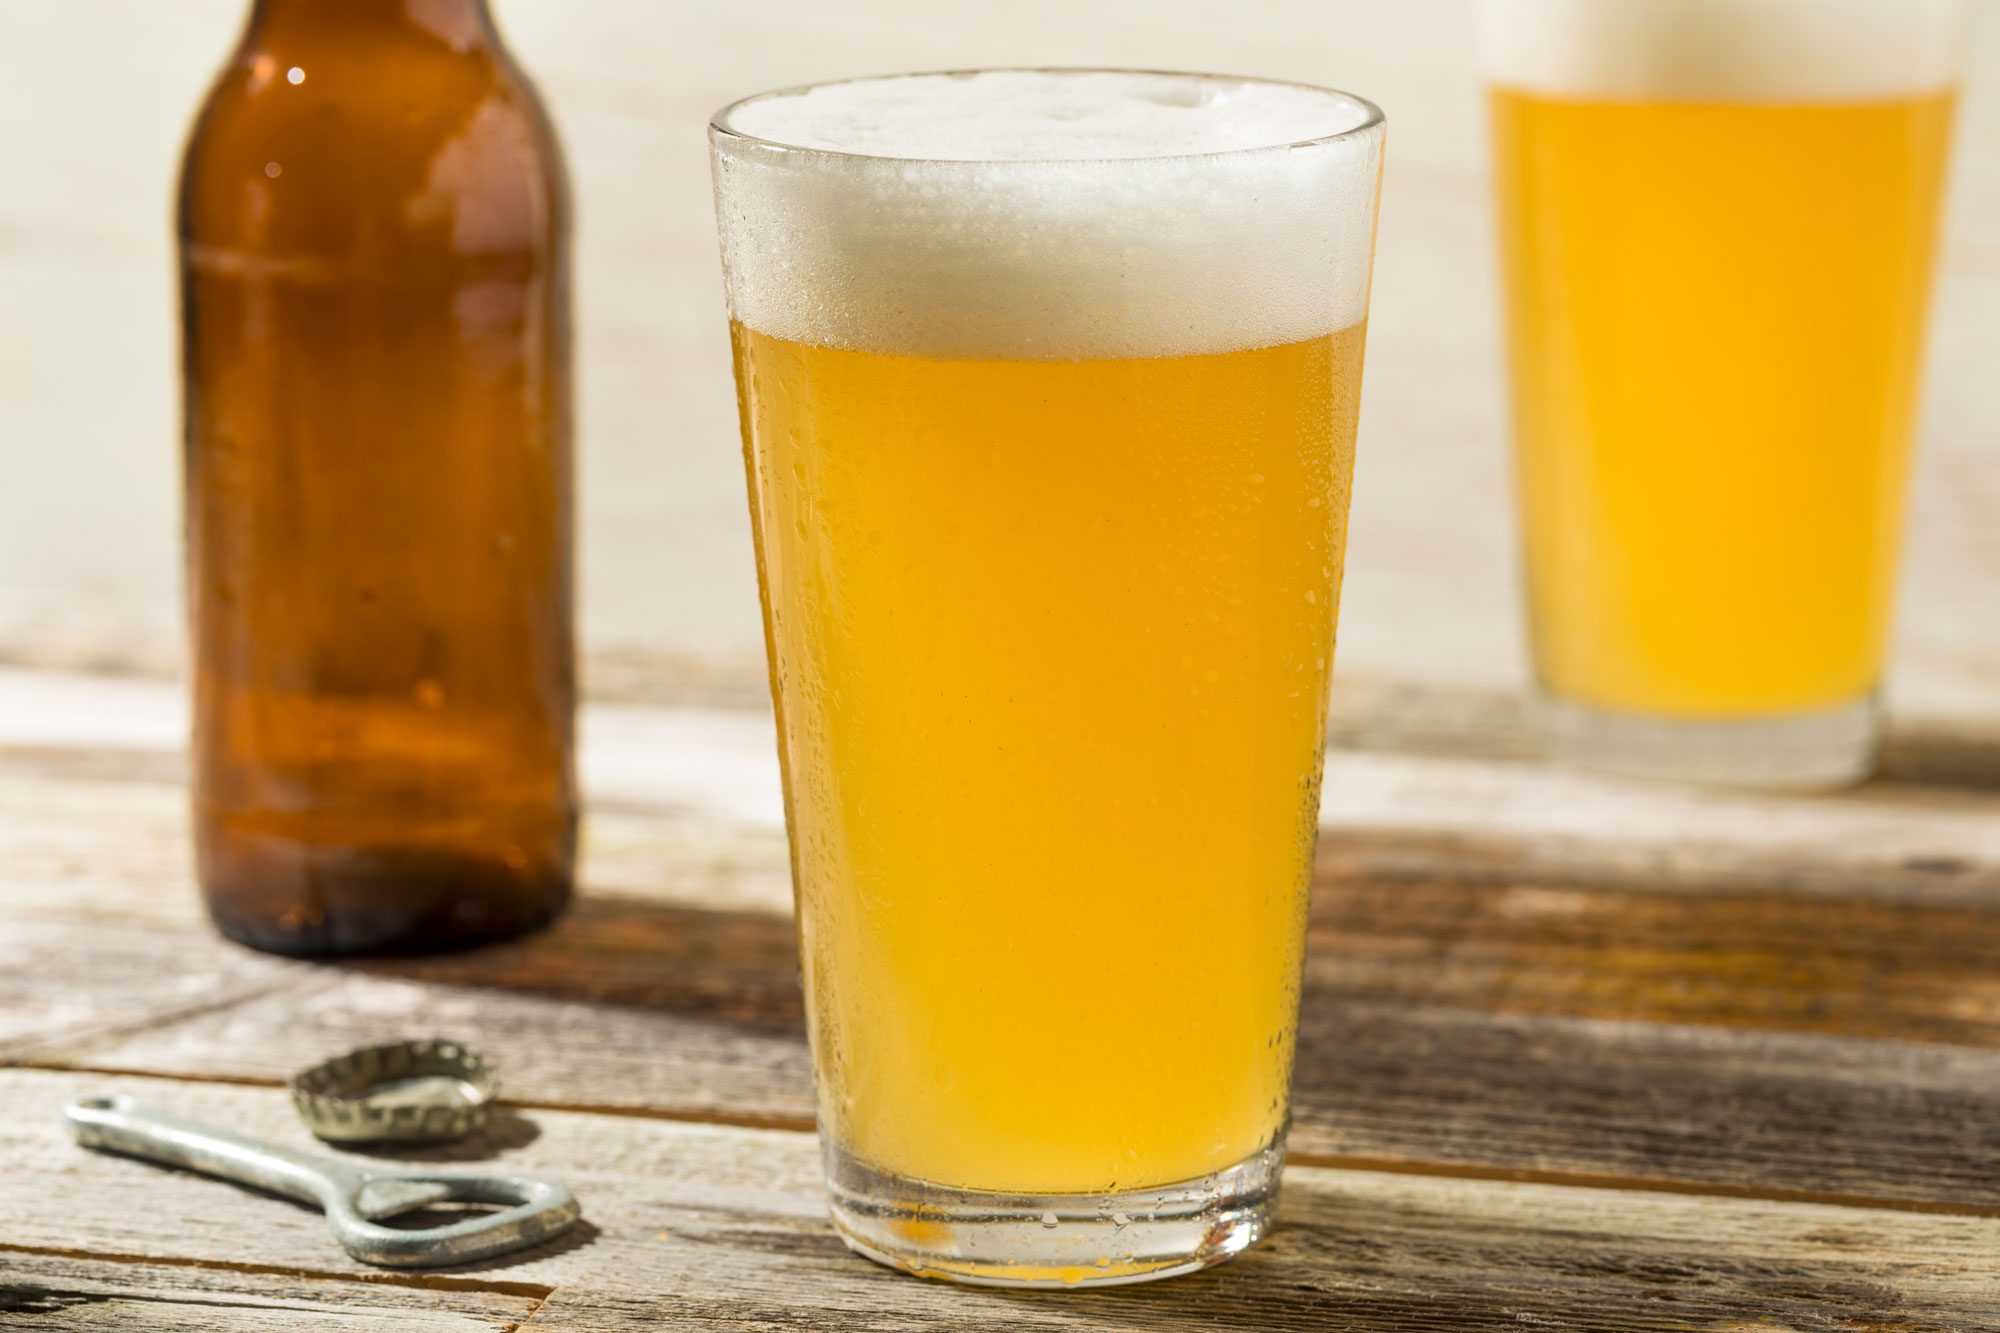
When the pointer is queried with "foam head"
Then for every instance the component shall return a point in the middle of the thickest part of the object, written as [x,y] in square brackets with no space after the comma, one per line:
[1724,50]
[1048,214]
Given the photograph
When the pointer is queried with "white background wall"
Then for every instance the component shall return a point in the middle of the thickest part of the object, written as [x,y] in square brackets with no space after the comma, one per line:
[95,95]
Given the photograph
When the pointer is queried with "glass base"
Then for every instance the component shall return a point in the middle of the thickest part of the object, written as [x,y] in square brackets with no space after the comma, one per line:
[1052,1240]
[1796,751]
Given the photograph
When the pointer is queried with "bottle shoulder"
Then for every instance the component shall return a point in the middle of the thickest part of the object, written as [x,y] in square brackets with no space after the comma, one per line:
[398,146]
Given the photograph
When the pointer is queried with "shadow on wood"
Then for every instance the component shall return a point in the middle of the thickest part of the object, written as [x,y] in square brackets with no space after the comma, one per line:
[1725,956]
[1466,724]
[737,967]
[506,1130]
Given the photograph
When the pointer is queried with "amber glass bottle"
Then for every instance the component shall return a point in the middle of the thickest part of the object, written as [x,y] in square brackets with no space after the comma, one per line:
[375,301]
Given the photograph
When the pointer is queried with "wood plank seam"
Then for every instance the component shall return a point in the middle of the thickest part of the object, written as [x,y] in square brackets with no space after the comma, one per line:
[1638,1184]
[726,1119]
[721,1229]
[21,1052]
[534,1291]
[1370,712]
[1581,1180]
[541,1304]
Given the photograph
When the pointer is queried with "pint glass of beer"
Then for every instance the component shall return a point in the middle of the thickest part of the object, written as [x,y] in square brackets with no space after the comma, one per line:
[1048,385]
[1718,220]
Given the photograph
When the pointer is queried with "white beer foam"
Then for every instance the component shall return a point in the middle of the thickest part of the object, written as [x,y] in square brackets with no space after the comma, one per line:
[1725,50]
[1047,215]
[1040,115]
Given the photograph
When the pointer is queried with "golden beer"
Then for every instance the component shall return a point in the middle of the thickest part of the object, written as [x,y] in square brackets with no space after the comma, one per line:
[1718,269]
[1068,626]
[1050,511]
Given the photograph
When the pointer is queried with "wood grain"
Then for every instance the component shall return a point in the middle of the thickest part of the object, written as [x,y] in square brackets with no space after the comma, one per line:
[1726,956]
[1412,815]
[87,847]
[1523,986]
[1509,968]
[1411,717]
[67,1292]
[1487,1027]
[695,1226]
[1771,1115]
[685,801]
[65,983]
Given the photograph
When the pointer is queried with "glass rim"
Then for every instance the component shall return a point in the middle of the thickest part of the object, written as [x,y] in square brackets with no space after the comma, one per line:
[720,132]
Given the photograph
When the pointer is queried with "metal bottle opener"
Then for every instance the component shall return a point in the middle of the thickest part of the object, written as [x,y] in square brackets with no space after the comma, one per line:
[354,1199]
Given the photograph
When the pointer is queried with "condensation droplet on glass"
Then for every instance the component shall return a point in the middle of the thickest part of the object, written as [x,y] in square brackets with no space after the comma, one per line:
[295,76]
[273,170]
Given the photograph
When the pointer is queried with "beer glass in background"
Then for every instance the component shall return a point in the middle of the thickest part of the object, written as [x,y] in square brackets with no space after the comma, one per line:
[1048,385]
[1717,222]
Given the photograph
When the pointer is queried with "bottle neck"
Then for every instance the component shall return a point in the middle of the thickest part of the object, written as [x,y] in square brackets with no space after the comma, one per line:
[463,23]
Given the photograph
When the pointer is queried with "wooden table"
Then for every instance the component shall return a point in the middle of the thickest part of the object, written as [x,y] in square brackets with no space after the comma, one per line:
[1573,1054]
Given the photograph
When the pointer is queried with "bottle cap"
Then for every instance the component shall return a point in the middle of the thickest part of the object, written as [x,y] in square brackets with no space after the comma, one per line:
[430,1091]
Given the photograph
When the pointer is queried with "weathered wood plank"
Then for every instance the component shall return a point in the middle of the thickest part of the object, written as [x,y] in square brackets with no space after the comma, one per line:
[91,849]
[58,709]
[1774,1114]
[63,981]
[695,1226]
[1402,717]
[1458,1012]
[84,847]
[1436,787]
[1726,956]
[1408,1052]
[1419,815]
[550,1052]
[91,871]
[68,1292]
[1767,1114]
[1842,968]
[1676,946]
